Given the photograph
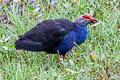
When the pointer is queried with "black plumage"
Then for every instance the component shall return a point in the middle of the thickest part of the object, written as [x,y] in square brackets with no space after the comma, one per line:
[45,36]
[55,36]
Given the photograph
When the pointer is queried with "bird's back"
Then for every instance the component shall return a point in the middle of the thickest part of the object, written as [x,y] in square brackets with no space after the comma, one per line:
[47,35]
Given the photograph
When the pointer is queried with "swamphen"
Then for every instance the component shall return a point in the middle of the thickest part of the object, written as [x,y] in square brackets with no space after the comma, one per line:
[55,36]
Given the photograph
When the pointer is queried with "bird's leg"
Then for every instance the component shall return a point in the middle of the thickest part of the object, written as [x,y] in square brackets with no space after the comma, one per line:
[58,60]
[64,57]
[59,56]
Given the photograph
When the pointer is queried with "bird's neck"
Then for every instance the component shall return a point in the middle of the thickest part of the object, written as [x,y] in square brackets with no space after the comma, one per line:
[81,27]
[82,33]
[80,23]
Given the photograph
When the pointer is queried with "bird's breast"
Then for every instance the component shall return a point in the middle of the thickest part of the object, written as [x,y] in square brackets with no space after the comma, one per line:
[82,34]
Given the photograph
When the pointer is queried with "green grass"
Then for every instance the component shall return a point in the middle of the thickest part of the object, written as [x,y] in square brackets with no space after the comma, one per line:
[104,40]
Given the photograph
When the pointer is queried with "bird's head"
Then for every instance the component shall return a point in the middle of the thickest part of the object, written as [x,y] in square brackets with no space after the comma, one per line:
[86,19]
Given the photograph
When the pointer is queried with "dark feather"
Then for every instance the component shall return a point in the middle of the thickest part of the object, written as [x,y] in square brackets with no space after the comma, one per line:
[46,35]
[55,36]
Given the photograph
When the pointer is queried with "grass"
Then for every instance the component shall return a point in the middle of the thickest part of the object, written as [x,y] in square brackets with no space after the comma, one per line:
[104,40]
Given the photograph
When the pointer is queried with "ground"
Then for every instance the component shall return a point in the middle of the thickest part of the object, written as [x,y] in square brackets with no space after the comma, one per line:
[104,41]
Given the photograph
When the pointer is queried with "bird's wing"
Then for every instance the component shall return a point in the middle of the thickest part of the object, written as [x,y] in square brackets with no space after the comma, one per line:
[49,33]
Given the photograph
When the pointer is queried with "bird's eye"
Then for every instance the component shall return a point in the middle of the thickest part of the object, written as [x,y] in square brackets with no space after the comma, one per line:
[86,18]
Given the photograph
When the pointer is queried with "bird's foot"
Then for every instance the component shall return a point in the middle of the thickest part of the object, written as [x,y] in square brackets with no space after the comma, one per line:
[64,57]
[59,60]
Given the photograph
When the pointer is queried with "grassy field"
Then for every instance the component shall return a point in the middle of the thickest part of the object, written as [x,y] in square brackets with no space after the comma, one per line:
[104,41]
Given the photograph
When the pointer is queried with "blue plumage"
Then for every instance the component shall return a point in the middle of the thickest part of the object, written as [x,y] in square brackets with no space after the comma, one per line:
[78,35]
[55,36]
[82,33]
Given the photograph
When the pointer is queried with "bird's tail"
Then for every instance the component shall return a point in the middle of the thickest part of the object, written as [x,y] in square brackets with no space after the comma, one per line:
[29,45]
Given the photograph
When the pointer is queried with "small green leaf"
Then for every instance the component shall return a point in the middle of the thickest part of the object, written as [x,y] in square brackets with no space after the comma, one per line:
[11,46]
[30,7]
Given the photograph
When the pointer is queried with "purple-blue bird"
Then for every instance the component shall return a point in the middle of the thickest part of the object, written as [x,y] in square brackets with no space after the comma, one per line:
[56,36]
